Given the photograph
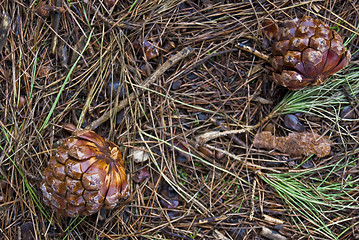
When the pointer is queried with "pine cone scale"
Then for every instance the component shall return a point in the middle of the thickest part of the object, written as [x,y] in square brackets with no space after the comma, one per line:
[61,155]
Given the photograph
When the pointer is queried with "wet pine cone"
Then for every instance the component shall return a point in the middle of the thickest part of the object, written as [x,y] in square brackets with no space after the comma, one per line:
[305,52]
[85,173]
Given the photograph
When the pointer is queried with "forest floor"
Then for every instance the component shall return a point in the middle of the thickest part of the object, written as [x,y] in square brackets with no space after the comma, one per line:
[108,69]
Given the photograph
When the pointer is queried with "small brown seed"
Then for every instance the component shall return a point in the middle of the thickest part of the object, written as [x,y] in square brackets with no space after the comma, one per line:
[219,155]
[21,102]
[206,151]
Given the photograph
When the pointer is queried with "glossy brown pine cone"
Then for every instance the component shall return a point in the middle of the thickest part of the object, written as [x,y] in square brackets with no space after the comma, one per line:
[305,52]
[84,174]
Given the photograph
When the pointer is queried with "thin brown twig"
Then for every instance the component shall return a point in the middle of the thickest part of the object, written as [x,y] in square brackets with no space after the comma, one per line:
[253,51]
[55,24]
[208,136]
[161,70]
[235,138]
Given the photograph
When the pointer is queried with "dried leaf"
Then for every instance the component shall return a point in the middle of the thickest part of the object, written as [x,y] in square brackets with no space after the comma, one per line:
[141,175]
[181,156]
[295,144]
[27,231]
[170,196]
[139,154]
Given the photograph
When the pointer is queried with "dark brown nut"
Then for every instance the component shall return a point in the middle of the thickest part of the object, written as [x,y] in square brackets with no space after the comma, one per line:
[85,174]
[305,52]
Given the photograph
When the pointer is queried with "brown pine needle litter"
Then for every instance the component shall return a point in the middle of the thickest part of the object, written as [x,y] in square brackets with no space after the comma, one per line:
[177,82]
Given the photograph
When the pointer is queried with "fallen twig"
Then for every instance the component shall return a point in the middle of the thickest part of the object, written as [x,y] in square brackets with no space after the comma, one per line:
[55,26]
[251,215]
[5,21]
[160,70]
[235,138]
[208,136]
[253,51]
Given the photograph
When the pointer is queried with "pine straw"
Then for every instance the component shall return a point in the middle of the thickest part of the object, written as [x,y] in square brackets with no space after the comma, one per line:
[216,88]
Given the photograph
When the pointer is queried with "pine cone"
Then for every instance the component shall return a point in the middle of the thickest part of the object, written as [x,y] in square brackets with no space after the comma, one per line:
[85,173]
[305,51]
